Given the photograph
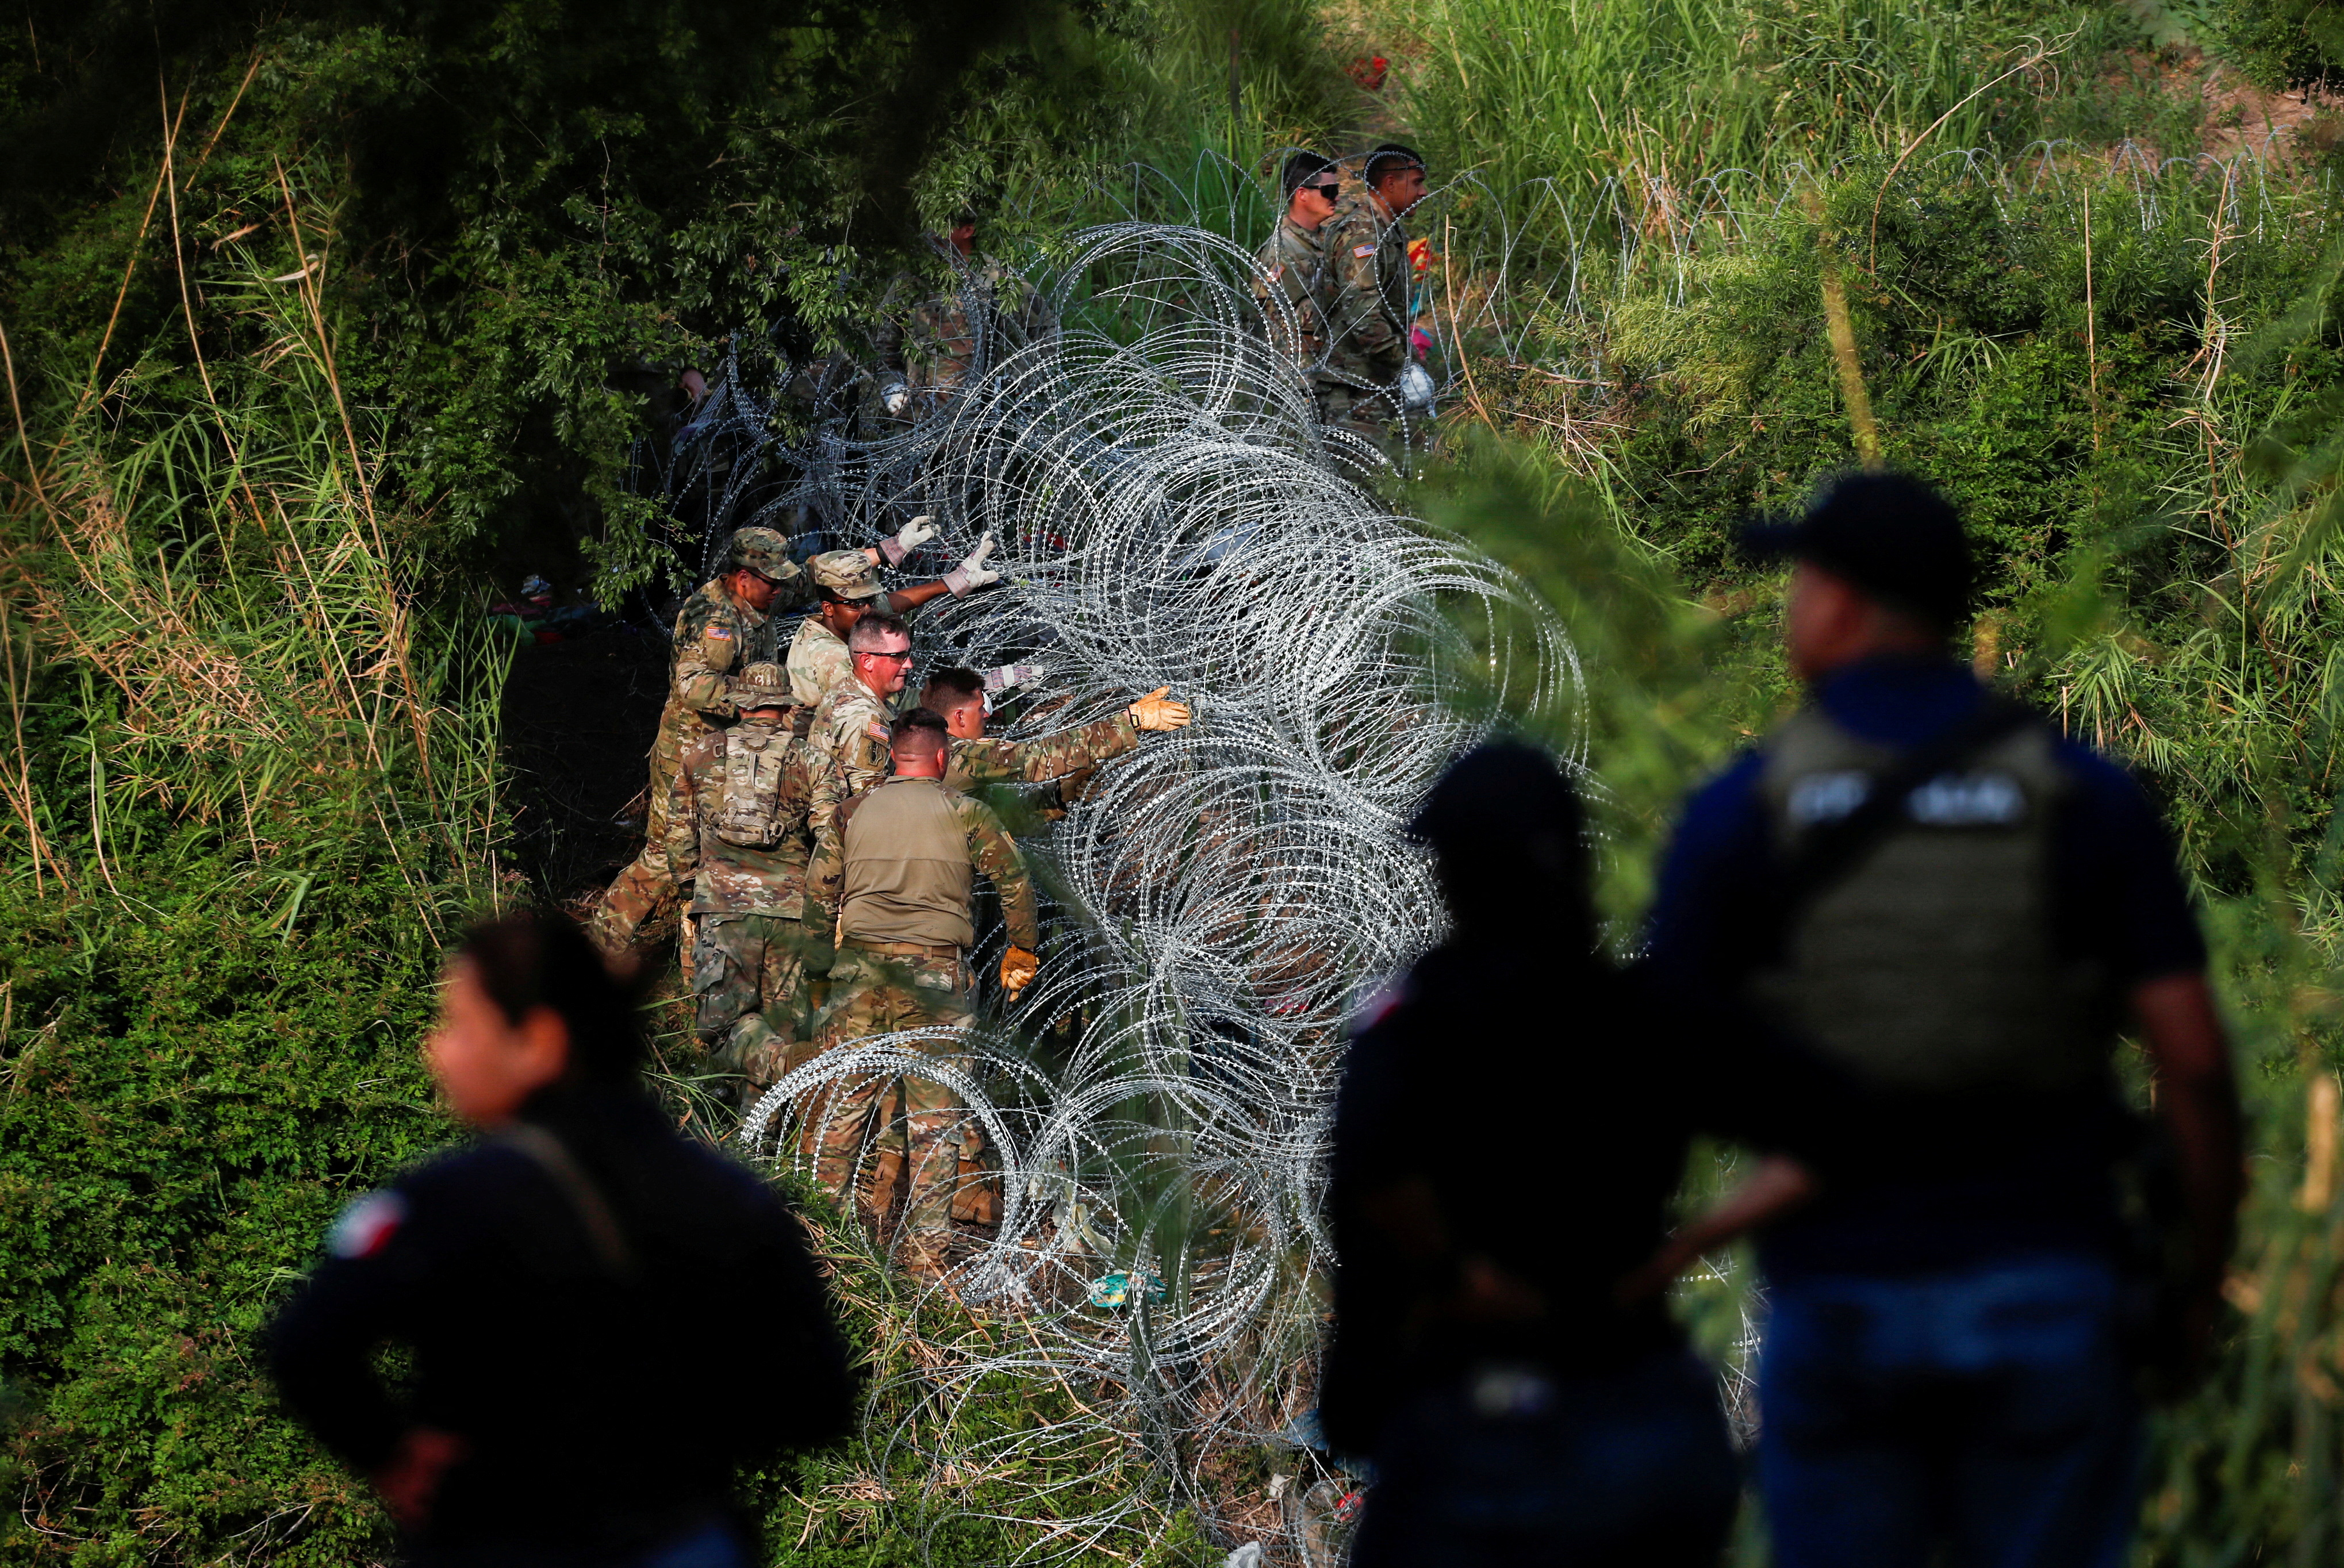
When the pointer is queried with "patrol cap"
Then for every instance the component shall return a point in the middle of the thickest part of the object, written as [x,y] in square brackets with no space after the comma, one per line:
[849,574]
[764,685]
[1890,535]
[763,551]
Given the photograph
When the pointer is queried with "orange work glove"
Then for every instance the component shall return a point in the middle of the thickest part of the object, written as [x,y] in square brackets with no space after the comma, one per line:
[1018,968]
[1157,710]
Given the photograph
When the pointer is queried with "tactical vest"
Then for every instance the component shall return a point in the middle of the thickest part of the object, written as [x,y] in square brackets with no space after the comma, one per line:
[1930,966]
[756,756]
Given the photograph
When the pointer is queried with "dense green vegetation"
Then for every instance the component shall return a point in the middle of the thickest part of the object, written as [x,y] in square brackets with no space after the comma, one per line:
[323,319]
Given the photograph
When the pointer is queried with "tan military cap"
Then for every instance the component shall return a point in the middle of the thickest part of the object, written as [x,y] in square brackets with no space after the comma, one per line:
[765,552]
[849,574]
[763,685]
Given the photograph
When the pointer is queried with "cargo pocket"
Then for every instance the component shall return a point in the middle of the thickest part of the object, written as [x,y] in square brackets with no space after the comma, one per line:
[709,966]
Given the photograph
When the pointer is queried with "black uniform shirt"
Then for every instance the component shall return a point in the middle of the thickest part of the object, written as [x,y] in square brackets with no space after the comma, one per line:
[598,1399]
[1549,1104]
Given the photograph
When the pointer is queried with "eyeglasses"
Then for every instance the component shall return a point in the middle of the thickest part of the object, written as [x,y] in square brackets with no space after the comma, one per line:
[903,654]
[1329,192]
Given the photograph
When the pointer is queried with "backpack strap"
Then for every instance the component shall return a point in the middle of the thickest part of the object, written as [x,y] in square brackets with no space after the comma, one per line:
[1831,850]
[586,1199]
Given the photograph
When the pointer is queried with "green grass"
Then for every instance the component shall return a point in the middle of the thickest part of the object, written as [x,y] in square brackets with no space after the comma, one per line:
[1661,94]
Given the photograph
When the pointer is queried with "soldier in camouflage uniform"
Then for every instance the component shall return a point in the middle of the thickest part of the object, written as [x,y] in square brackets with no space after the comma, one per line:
[850,728]
[848,585]
[1294,286]
[746,807]
[932,349]
[726,625]
[1367,251]
[978,759]
[899,869]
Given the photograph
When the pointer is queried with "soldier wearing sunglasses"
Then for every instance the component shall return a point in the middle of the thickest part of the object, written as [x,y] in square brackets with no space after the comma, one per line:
[851,729]
[1292,285]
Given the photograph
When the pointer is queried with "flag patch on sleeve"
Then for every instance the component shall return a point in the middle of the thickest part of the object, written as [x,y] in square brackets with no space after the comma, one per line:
[367,1226]
[1363,251]
[876,730]
[720,634]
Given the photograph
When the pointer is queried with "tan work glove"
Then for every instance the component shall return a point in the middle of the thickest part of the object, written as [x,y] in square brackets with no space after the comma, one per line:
[973,573]
[1157,710]
[1018,968]
[908,537]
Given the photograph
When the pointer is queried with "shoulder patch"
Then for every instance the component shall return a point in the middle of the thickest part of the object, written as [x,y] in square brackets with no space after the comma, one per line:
[1278,272]
[876,730]
[1363,251]
[720,634]
[367,1226]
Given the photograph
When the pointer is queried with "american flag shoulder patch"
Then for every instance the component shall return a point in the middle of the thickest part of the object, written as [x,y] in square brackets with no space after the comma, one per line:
[1363,251]
[876,730]
[1278,272]
[722,634]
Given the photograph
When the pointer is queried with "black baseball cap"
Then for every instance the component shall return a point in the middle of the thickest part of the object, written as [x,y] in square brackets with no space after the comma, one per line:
[1890,535]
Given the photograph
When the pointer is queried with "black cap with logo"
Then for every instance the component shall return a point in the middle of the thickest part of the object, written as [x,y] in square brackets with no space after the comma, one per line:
[1889,535]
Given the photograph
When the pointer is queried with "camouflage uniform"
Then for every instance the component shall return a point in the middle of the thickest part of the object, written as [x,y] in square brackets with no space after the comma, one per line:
[745,811]
[850,732]
[1366,256]
[899,868]
[1295,293]
[995,760]
[819,662]
[715,635]
[989,314]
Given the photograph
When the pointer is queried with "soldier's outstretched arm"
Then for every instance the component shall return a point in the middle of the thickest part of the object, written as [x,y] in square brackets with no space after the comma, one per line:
[995,855]
[1056,756]
[904,600]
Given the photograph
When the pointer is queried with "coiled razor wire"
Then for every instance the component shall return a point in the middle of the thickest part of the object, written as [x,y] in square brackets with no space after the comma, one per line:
[1168,511]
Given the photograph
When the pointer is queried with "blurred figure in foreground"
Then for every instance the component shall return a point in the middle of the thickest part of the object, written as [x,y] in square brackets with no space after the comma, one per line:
[1943,900]
[1516,1411]
[547,1280]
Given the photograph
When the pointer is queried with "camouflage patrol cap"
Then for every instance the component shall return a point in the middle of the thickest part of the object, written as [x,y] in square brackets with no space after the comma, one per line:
[763,551]
[763,685]
[849,574]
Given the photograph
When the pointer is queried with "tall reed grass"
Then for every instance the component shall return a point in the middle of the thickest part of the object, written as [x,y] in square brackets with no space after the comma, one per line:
[1668,93]
[244,626]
